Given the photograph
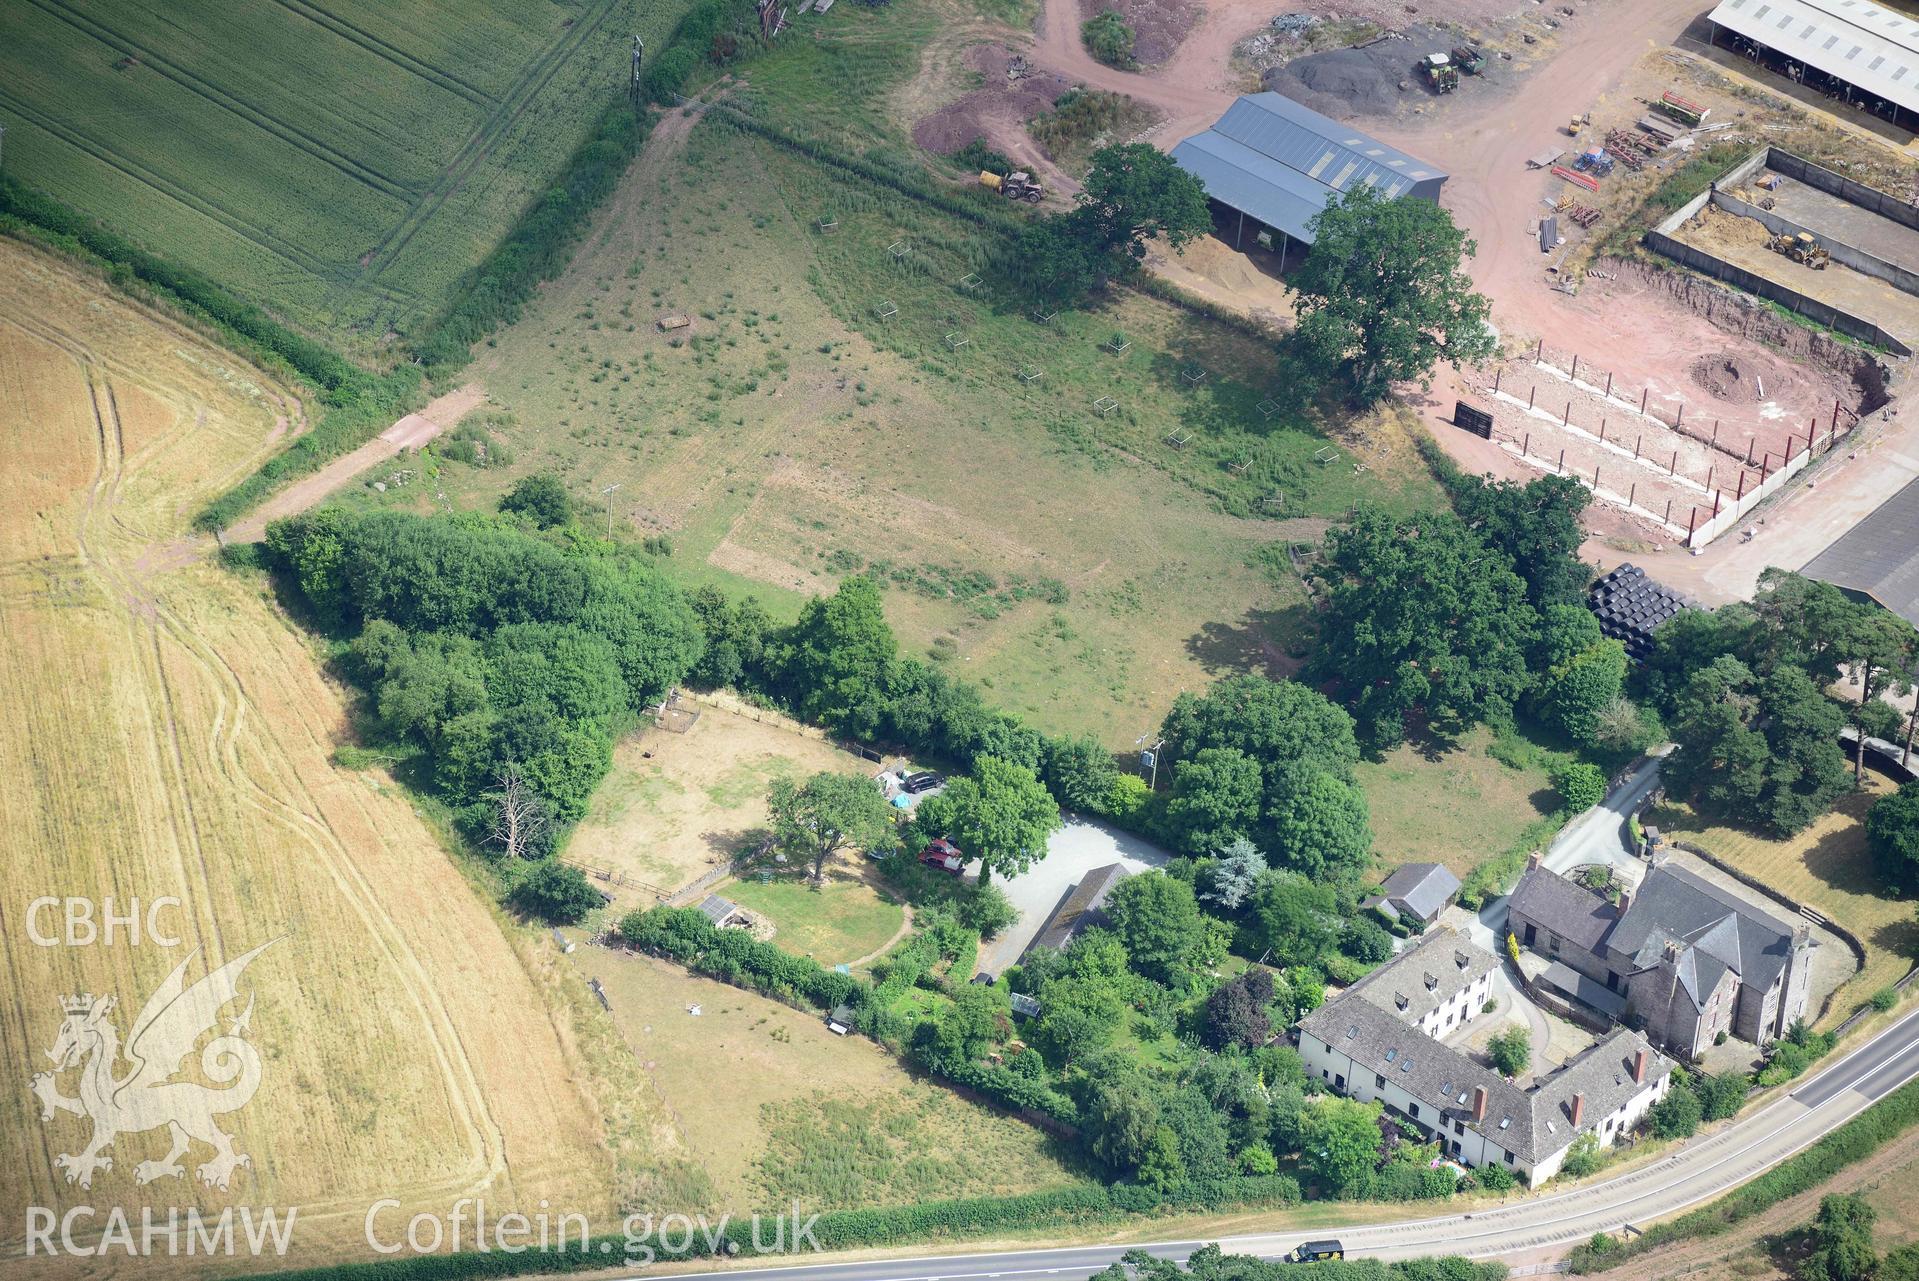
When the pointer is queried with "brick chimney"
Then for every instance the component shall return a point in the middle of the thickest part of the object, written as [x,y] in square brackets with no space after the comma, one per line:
[1579,1109]
[1532,861]
[1479,1104]
[1625,902]
[1639,1066]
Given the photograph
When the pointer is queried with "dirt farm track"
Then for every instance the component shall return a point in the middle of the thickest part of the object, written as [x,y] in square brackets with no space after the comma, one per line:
[163,732]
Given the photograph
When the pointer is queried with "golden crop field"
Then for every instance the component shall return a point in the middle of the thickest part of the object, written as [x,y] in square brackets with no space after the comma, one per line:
[164,732]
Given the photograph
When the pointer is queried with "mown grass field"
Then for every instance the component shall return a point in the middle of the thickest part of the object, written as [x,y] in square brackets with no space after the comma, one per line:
[773,1106]
[166,732]
[677,806]
[343,163]
[1070,561]
[1455,805]
[1826,866]
[843,921]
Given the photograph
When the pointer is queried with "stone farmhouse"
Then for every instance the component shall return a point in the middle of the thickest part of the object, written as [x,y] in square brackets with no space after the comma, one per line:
[1677,956]
[1380,1040]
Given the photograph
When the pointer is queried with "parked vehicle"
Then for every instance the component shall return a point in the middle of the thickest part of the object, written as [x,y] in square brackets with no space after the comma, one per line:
[924,781]
[1316,1252]
[1440,72]
[944,855]
[1014,186]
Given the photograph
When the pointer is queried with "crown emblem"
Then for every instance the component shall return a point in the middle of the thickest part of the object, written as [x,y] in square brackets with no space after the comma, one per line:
[81,1004]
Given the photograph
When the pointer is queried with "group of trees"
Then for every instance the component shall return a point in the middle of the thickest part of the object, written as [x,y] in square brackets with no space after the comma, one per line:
[1218,1097]
[1446,619]
[1745,692]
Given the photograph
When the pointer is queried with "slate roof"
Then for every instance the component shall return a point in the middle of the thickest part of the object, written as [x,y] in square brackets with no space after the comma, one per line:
[1565,907]
[1631,607]
[1428,974]
[1282,162]
[1879,557]
[1864,44]
[1531,1124]
[1083,906]
[1564,978]
[1713,930]
[1421,888]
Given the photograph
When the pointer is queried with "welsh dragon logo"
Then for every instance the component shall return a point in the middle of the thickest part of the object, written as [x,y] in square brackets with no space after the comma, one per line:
[145,1096]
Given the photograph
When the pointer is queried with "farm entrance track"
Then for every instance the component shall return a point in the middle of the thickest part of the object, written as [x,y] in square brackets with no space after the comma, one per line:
[511,107]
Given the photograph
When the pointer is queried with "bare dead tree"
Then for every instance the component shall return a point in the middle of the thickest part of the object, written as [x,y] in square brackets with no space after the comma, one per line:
[519,815]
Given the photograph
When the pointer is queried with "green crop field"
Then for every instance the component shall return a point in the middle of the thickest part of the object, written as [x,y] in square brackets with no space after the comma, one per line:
[343,163]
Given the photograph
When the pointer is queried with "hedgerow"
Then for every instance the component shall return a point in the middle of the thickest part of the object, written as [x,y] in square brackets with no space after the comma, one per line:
[1854,1141]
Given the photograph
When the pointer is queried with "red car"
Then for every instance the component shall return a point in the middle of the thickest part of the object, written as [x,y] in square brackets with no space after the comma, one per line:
[944,855]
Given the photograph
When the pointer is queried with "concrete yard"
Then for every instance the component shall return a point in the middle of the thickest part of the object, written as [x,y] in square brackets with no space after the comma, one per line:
[1073,851]
[1824,213]
[1742,242]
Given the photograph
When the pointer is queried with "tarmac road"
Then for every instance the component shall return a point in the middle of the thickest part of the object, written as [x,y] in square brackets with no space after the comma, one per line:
[1697,1172]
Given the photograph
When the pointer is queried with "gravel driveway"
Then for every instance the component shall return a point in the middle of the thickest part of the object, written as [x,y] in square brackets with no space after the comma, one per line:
[1072,852]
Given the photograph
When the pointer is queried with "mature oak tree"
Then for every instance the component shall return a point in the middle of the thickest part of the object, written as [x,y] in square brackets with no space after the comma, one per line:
[827,813]
[1381,296]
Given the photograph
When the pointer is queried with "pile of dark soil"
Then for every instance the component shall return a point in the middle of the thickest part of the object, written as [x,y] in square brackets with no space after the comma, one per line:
[1365,80]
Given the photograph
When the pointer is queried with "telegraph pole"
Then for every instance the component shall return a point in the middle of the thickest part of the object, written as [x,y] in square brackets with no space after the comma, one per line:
[1149,745]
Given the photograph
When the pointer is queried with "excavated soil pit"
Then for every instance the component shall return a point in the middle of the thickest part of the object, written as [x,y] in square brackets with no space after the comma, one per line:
[1720,378]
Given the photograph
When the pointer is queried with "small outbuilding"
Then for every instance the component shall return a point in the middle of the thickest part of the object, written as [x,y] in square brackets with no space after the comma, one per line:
[725,913]
[1416,892]
[840,1021]
[1024,1006]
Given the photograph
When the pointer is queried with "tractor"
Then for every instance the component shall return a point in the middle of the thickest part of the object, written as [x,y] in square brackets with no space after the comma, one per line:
[1440,72]
[1014,186]
[1802,248]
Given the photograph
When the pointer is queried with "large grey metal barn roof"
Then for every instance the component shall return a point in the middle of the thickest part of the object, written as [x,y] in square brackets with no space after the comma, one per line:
[1879,557]
[1864,44]
[1280,162]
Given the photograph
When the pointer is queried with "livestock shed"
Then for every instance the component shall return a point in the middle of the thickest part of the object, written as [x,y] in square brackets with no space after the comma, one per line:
[1277,163]
[1860,53]
[1631,607]
[1878,558]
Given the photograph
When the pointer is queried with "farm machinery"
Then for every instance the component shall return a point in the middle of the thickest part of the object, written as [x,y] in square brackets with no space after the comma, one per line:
[1469,60]
[1802,248]
[1440,73]
[1019,185]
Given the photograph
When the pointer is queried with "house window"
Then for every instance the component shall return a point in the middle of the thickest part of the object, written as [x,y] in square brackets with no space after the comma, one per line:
[1413,1111]
[1509,1158]
[1379,1082]
[1339,1083]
